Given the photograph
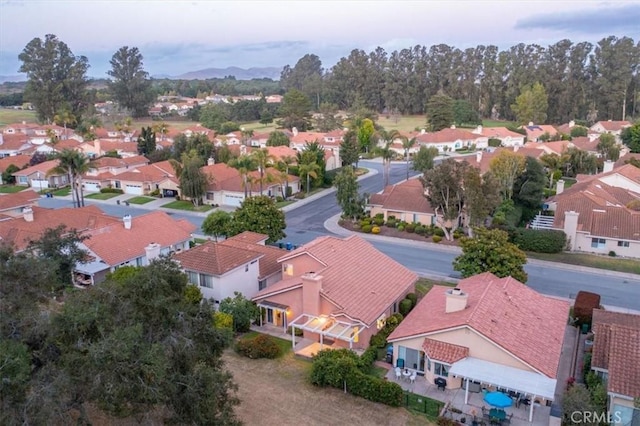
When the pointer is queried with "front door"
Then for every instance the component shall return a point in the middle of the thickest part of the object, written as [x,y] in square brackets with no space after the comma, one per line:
[269,316]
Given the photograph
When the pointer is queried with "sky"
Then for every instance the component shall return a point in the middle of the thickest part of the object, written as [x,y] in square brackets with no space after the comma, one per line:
[176,37]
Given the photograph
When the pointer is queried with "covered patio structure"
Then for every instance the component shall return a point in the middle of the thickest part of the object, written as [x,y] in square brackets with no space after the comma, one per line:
[506,378]
[276,314]
[326,327]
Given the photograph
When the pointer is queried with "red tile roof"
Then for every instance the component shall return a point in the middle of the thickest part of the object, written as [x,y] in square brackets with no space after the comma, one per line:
[215,259]
[361,280]
[18,199]
[114,244]
[136,160]
[500,133]
[254,242]
[17,160]
[521,321]
[616,348]
[407,196]
[445,352]
[249,237]
[447,136]
[14,142]
[614,126]
[44,168]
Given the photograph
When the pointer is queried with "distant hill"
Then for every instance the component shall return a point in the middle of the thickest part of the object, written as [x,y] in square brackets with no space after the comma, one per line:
[12,78]
[239,73]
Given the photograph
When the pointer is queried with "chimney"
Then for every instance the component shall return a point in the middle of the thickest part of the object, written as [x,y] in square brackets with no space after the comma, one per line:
[478,130]
[453,126]
[294,131]
[28,214]
[571,228]
[456,300]
[559,187]
[97,147]
[608,166]
[127,221]
[211,161]
[423,131]
[572,123]
[478,157]
[311,287]
[530,123]
[152,251]
[516,147]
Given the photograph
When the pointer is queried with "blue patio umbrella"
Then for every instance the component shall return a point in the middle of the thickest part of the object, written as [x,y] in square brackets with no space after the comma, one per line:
[498,399]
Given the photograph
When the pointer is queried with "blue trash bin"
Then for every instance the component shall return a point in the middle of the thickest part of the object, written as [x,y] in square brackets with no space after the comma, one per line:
[289,246]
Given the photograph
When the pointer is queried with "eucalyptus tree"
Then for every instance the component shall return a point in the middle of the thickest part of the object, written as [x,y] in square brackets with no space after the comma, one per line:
[130,85]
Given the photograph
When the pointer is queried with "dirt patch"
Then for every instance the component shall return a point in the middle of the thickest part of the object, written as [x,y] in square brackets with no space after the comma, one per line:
[393,232]
[276,392]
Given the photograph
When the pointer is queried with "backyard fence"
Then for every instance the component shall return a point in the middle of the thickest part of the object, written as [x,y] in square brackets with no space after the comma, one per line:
[422,404]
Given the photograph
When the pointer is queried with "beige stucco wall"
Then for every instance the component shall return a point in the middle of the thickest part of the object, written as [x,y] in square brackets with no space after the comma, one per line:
[302,263]
[423,218]
[583,243]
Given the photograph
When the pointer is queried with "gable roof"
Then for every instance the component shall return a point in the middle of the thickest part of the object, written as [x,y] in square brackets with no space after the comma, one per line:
[17,160]
[215,259]
[513,316]
[43,168]
[136,160]
[115,244]
[500,133]
[445,352]
[407,196]
[254,242]
[358,278]
[612,126]
[447,136]
[616,348]
[18,199]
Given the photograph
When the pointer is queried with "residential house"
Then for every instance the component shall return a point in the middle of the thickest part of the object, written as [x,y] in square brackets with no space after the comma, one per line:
[612,127]
[601,213]
[507,137]
[615,358]
[405,201]
[101,147]
[554,147]
[242,263]
[23,128]
[274,99]
[535,132]
[146,179]
[13,205]
[124,134]
[338,292]
[452,139]
[330,142]
[482,159]
[131,241]
[41,176]
[587,144]
[19,161]
[280,152]
[626,158]
[487,331]
[12,144]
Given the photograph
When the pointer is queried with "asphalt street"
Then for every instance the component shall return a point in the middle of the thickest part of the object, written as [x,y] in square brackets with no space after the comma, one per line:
[306,222]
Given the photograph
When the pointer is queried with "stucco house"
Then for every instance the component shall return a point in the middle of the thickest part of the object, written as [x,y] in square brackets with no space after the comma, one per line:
[452,139]
[507,137]
[338,292]
[536,131]
[491,332]
[242,263]
[406,201]
[615,358]
[13,205]
[18,161]
[41,176]
[610,126]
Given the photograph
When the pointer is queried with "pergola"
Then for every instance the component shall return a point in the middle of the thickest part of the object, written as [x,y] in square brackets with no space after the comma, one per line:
[502,376]
[326,326]
[276,307]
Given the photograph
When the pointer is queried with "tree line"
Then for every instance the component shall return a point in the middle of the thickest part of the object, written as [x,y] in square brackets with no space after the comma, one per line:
[582,80]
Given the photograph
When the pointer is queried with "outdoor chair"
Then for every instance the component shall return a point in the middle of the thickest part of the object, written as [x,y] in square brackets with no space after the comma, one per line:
[398,373]
[412,379]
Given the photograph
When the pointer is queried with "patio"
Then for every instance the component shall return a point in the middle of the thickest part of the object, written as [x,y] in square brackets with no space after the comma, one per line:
[455,398]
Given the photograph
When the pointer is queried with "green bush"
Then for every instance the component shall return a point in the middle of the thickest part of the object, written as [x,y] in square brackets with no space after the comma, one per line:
[391,223]
[436,238]
[414,299]
[365,222]
[405,306]
[111,191]
[366,229]
[539,240]
[458,233]
[401,228]
[438,231]
[368,357]
[410,228]
[612,253]
[378,340]
[261,346]
[299,195]
[495,142]
[420,229]
[155,193]
[297,332]
[378,221]
[375,230]
[375,389]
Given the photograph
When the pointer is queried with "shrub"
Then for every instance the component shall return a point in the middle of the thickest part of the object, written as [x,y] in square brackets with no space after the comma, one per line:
[111,191]
[612,253]
[155,193]
[539,240]
[420,229]
[375,230]
[414,299]
[297,332]
[584,305]
[405,306]
[261,346]
[222,320]
[378,340]
[438,231]
[458,233]
[365,222]
[368,357]
[391,223]
[366,229]
[401,228]
[279,199]
[378,221]
[410,228]
[436,238]
[299,195]
[495,142]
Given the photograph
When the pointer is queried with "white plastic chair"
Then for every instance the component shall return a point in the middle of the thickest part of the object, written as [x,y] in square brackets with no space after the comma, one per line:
[398,373]
[412,379]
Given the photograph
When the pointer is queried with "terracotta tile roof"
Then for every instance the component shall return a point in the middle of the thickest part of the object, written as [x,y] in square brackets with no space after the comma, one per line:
[151,173]
[616,348]
[249,237]
[585,144]
[536,130]
[215,259]
[614,126]
[500,133]
[43,168]
[360,279]
[137,160]
[18,231]
[521,321]
[17,160]
[279,152]
[18,199]
[114,244]
[445,352]
[254,242]
[14,142]
[66,144]
[625,159]
[447,135]
[407,196]
[118,146]
[303,137]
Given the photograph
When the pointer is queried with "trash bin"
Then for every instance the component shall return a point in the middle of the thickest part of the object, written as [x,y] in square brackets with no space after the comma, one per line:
[280,245]
[289,246]
[585,328]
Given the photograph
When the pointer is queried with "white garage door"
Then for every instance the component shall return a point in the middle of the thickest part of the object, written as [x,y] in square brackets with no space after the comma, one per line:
[233,200]
[133,189]
[91,187]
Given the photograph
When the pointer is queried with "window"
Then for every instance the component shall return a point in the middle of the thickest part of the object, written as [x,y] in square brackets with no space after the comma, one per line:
[441,369]
[206,281]
[139,261]
[623,243]
[395,307]
[262,284]
[381,321]
[193,278]
[23,179]
[598,243]
[413,359]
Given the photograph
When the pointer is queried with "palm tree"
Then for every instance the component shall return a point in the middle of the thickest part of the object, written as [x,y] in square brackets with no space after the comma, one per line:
[245,164]
[66,119]
[162,128]
[308,171]
[246,135]
[73,164]
[407,144]
[387,155]
[262,160]
[553,163]
[284,164]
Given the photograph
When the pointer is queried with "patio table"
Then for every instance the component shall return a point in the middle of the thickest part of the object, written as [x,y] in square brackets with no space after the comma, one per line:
[496,413]
[406,374]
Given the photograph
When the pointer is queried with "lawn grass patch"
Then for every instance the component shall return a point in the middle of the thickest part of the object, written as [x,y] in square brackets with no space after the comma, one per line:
[200,240]
[281,204]
[101,196]
[423,285]
[285,345]
[140,200]
[422,404]
[62,192]
[11,189]
[11,116]
[186,206]
[496,123]
[631,266]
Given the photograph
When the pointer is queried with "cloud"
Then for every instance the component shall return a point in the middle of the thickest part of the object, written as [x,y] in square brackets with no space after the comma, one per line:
[602,20]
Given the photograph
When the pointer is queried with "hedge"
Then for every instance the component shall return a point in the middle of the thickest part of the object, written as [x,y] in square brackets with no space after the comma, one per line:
[584,305]
[111,191]
[261,346]
[405,306]
[539,240]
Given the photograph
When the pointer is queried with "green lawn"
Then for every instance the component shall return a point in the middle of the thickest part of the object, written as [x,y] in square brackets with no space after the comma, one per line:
[281,204]
[200,240]
[101,196]
[10,116]
[285,345]
[11,189]
[422,404]
[582,259]
[423,285]
[496,123]
[187,206]
[140,200]
[62,192]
